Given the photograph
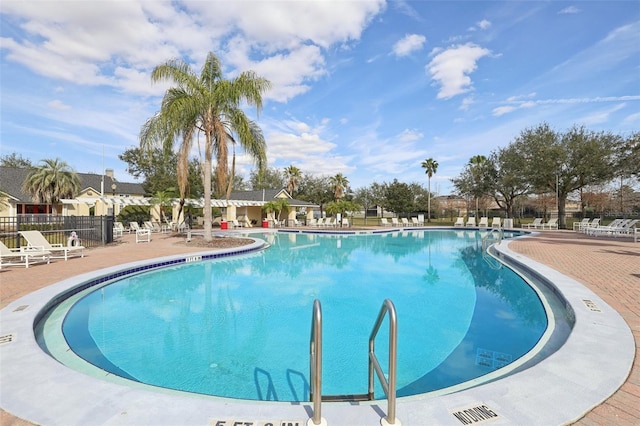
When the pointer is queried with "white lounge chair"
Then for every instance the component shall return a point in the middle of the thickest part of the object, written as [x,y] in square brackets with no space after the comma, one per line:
[471,221]
[23,256]
[484,222]
[36,239]
[595,223]
[394,221]
[153,227]
[496,223]
[383,221]
[118,229]
[459,222]
[597,230]
[405,222]
[537,223]
[415,221]
[551,224]
[577,226]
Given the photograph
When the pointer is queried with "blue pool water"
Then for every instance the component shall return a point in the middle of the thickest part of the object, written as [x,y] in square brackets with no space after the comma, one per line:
[239,327]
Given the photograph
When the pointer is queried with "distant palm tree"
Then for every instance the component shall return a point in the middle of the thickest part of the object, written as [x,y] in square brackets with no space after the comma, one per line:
[208,104]
[293,176]
[477,164]
[431,166]
[338,183]
[52,181]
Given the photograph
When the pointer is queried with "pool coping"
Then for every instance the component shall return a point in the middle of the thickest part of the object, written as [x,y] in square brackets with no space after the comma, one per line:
[586,370]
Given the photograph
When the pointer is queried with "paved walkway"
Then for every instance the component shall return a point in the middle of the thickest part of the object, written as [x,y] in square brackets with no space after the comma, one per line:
[609,267]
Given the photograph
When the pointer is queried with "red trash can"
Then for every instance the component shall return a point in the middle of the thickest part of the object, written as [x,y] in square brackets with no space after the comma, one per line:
[224,225]
[265,223]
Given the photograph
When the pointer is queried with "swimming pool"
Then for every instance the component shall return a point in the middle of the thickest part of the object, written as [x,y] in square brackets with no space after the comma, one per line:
[239,327]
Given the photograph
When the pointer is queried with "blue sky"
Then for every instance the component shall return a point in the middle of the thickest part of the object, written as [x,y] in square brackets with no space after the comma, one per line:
[365,88]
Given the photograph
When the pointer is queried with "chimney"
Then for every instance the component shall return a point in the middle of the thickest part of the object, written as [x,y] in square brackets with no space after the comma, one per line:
[109,172]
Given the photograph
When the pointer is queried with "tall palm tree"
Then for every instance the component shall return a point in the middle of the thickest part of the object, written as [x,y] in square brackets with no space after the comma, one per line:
[430,167]
[338,183]
[208,104]
[293,176]
[52,181]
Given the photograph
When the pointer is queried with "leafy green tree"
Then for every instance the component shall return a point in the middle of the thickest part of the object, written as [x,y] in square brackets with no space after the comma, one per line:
[399,197]
[504,179]
[157,167]
[339,184]
[379,194]
[15,160]
[293,176]
[560,163]
[315,190]
[472,180]
[364,197]
[208,104]
[52,181]
[430,167]
[266,178]
[628,154]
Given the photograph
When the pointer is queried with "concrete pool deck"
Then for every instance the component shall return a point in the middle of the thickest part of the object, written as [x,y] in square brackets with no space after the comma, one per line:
[608,267]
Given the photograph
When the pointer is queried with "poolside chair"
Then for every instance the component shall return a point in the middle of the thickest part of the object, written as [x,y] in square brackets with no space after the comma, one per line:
[471,221]
[484,222]
[153,227]
[405,222]
[593,224]
[133,226]
[23,256]
[394,221]
[551,224]
[36,239]
[597,230]
[118,229]
[459,222]
[383,221]
[345,223]
[577,226]
[496,223]
[415,222]
[537,222]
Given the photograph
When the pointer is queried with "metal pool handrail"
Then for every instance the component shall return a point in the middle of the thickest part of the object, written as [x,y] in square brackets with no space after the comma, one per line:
[390,386]
[315,358]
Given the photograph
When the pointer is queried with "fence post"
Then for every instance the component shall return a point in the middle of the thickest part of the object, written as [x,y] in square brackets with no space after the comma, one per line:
[17,231]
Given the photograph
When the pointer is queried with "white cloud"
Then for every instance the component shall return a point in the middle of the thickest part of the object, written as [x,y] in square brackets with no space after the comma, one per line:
[408,44]
[117,43]
[58,104]
[633,118]
[484,24]
[481,25]
[569,10]
[451,68]
[410,135]
[514,103]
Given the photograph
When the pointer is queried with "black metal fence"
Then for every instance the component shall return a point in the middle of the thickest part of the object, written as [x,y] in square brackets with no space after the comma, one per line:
[92,231]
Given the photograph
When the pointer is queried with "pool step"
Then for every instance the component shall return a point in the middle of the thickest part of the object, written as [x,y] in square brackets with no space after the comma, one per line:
[346,398]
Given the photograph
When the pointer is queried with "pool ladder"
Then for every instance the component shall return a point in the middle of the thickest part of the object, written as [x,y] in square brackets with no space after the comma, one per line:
[315,367]
[489,240]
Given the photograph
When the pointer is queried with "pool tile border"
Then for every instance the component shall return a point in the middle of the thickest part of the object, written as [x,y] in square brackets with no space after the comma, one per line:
[589,367]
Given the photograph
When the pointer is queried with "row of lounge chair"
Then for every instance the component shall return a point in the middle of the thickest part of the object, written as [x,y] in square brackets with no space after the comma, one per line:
[538,223]
[38,250]
[496,222]
[617,228]
[404,222]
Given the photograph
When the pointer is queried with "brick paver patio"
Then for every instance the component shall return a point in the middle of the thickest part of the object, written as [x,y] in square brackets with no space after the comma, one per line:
[609,267]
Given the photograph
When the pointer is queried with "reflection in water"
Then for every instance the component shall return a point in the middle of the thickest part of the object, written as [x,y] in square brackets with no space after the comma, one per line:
[239,326]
